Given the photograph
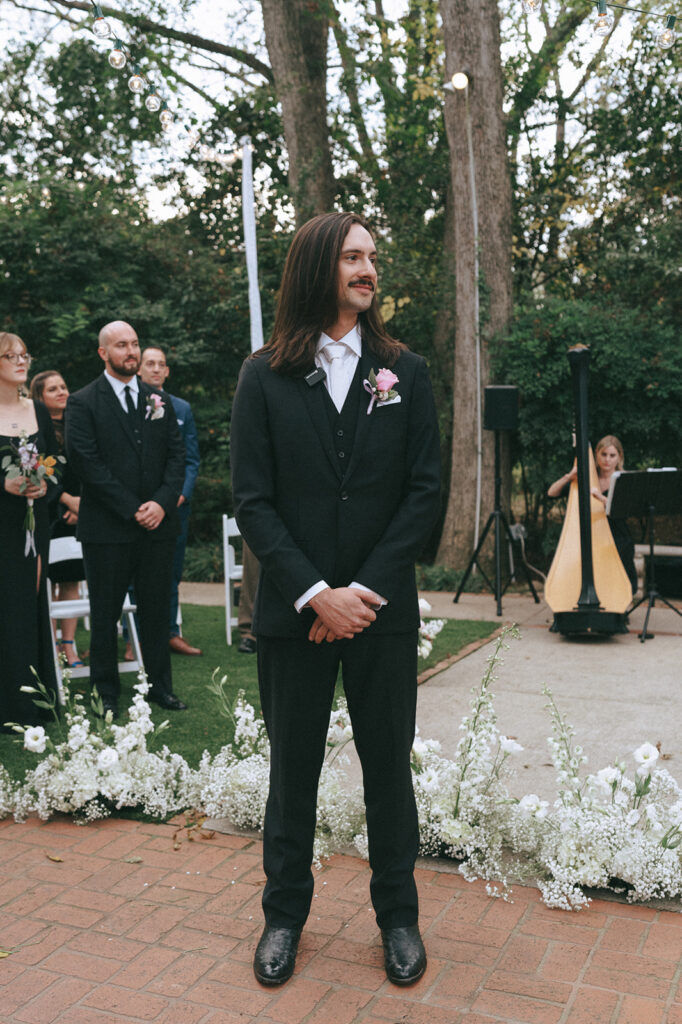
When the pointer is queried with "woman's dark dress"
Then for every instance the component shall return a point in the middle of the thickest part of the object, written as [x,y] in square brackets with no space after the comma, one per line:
[25,631]
[72,570]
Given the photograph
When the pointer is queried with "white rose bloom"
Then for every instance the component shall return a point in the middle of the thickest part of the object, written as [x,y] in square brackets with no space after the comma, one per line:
[107,758]
[532,804]
[645,755]
[429,780]
[35,739]
[510,746]
[607,776]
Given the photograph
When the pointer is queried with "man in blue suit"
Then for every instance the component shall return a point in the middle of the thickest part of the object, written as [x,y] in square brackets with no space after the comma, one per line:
[154,370]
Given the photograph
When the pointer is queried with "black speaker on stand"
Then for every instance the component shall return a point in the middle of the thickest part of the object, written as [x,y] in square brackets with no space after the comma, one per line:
[500,412]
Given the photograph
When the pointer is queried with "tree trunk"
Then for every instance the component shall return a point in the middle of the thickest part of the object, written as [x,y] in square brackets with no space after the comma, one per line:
[472,44]
[296,38]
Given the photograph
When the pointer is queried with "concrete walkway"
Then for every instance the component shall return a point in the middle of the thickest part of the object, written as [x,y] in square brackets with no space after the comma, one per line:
[110,923]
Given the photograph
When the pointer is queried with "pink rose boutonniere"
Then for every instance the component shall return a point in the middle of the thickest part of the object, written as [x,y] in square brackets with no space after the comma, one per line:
[380,386]
[155,408]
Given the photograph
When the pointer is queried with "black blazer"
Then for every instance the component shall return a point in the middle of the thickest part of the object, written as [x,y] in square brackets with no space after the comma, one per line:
[306,519]
[117,475]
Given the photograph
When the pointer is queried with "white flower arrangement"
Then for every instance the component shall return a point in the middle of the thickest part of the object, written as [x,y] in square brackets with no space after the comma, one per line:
[610,829]
[428,630]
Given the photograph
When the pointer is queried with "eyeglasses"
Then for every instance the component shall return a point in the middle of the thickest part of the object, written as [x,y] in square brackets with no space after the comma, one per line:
[18,357]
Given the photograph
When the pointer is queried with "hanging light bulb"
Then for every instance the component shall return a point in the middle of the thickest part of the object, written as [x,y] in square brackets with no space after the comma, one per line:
[153,101]
[666,38]
[165,116]
[531,6]
[117,57]
[100,27]
[604,20]
[136,81]
[460,80]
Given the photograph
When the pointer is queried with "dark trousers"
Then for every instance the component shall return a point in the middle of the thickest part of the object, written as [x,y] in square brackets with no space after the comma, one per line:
[297,680]
[109,570]
[183,513]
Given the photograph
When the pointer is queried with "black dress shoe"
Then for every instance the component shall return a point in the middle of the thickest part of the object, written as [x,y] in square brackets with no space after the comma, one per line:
[275,957]
[168,701]
[247,645]
[404,954]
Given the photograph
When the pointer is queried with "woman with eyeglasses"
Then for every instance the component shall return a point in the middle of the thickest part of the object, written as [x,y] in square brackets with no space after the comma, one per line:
[49,387]
[25,631]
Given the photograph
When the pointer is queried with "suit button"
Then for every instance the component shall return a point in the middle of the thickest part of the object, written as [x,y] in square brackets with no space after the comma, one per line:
[339,433]
[344,496]
[342,455]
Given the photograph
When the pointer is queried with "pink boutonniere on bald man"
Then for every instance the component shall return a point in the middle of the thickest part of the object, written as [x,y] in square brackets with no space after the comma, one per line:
[155,408]
[380,386]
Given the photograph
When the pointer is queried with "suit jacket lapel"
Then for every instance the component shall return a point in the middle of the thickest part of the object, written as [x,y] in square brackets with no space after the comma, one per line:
[362,425]
[116,408]
[314,400]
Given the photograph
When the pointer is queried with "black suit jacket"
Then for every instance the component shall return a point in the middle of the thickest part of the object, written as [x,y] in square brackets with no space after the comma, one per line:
[306,519]
[117,475]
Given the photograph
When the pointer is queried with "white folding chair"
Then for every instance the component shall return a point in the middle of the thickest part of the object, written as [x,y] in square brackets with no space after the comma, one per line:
[233,574]
[64,549]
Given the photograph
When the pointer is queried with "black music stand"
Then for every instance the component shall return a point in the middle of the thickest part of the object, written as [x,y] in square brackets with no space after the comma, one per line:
[647,493]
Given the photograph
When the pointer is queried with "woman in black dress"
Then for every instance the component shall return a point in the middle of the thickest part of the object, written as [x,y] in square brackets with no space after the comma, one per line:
[25,632]
[609,457]
[49,387]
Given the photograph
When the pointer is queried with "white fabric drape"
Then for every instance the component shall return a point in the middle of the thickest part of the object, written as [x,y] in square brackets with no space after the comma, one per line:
[249,219]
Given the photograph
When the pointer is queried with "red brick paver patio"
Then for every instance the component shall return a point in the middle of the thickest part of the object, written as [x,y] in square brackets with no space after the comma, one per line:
[110,923]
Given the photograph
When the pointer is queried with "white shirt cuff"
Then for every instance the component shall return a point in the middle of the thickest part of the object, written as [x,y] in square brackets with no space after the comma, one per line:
[310,592]
[360,586]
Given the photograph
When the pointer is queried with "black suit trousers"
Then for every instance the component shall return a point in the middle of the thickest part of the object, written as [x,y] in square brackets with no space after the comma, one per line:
[297,680]
[109,570]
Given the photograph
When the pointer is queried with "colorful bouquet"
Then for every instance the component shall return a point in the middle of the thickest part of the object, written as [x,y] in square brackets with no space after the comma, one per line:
[27,462]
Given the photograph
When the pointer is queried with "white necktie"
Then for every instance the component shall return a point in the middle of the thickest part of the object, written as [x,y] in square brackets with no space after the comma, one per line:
[337,375]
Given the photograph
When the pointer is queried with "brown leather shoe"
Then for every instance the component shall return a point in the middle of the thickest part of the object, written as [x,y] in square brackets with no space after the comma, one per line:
[180,646]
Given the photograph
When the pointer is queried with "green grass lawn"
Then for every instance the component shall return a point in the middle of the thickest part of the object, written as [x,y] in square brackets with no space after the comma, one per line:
[202,727]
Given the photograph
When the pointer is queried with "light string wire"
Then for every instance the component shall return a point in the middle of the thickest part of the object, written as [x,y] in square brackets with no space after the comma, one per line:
[121,55]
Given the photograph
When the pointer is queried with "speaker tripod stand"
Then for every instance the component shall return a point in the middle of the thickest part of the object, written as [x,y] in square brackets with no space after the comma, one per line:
[498,521]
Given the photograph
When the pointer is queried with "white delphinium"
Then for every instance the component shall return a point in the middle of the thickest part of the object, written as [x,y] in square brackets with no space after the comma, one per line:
[428,631]
[462,804]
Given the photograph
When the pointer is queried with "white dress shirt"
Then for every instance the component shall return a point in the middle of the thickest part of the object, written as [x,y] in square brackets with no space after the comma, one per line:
[119,387]
[338,383]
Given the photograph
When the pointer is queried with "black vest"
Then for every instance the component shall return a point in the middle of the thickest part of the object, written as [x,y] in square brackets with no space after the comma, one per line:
[343,423]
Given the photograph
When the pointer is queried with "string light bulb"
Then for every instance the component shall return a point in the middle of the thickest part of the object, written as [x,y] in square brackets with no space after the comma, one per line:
[666,38]
[136,81]
[604,20]
[460,80]
[165,116]
[153,101]
[117,57]
[101,28]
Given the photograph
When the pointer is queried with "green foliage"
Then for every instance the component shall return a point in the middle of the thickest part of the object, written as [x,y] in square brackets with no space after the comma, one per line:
[635,387]
[442,577]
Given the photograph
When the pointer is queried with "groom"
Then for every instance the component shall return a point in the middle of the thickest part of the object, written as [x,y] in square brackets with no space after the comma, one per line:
[336,486]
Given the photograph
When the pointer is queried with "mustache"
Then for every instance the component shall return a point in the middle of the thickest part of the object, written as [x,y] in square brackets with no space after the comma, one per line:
[366,281]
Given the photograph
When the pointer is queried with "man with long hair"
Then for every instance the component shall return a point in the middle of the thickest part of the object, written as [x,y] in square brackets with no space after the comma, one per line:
[335,471]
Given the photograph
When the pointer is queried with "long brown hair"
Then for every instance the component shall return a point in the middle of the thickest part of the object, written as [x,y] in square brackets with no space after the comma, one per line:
[307,301]
[36,391]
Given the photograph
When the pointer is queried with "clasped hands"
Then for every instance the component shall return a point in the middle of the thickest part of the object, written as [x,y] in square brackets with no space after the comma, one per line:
[149,515]
[342,612]
[22,487]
